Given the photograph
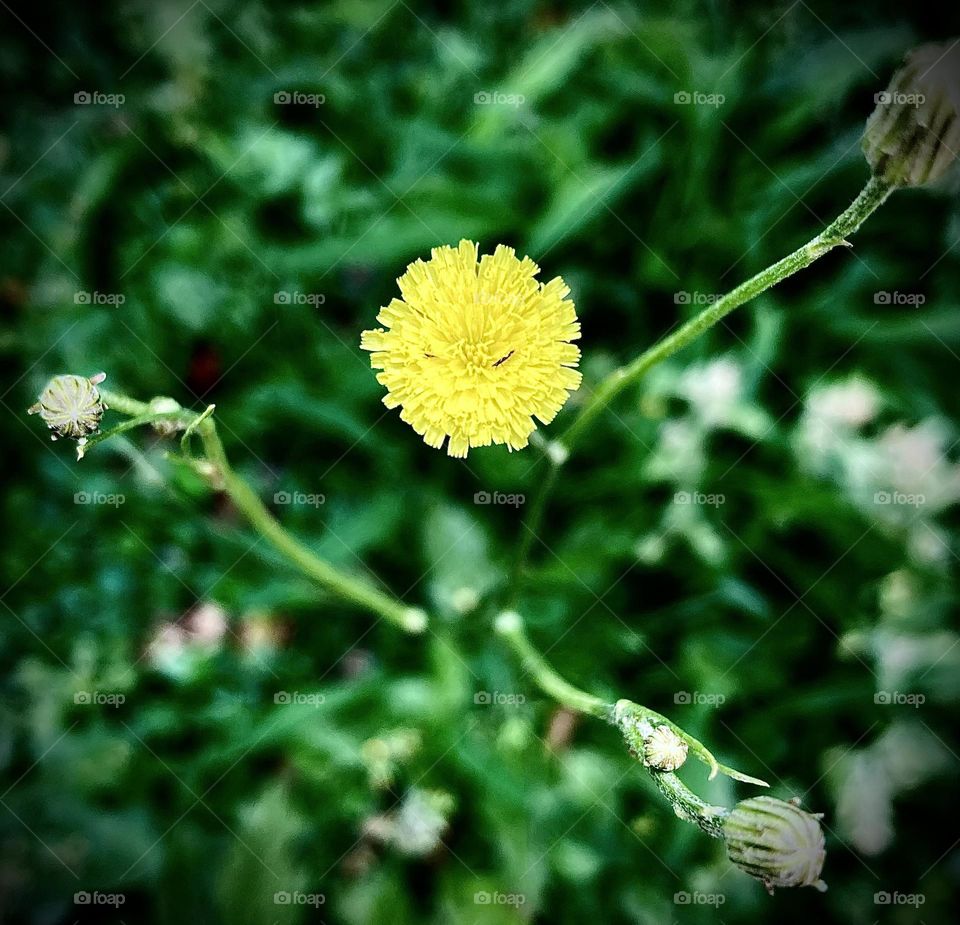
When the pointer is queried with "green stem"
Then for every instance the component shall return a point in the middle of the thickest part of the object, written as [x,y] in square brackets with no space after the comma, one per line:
[635,723]
[510,626]
[140,420]
[688,806]
[873,195]
[123,404]
[247,501]
[529,527]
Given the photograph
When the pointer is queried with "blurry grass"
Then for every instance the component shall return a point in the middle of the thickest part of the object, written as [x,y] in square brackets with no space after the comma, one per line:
[198,199]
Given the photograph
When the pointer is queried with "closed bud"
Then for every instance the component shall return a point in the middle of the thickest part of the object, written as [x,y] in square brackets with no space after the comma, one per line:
[913,136]
[777,842]
[71,406]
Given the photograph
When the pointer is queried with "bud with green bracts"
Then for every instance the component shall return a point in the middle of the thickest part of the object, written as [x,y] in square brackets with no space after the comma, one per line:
[913,136]
[777,842]
[71,406]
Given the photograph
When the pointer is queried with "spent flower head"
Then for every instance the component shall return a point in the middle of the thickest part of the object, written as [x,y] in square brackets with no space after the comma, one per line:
[71,406]
[476,348]
[777,842]
[913,136]
[664,750]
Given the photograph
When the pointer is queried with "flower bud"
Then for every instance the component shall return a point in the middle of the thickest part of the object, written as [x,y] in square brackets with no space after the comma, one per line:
[913,136]
[71,406]
[776,842]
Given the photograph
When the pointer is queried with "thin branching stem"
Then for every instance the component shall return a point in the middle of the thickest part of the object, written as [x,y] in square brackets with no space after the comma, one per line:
[873,195]
[217,468]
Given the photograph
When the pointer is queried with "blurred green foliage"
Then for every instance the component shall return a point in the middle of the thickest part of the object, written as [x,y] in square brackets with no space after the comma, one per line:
[271,741]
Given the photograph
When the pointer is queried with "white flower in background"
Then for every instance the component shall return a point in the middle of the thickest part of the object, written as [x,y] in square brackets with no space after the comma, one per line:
[717,399]
[900,479]
[166,646]
[914,460]
[831,417]
[713,389]
[866,782]
[682,523]
[206,624]
[679,454]
[176,648]
[417,827]
[929,545]
[909,660]
[901,658]
[849,404]
[899,595]
[865,802]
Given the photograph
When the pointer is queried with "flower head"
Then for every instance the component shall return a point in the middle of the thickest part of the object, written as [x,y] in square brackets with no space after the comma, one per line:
[777,842]
[476,349]
[913,136]
[71,406]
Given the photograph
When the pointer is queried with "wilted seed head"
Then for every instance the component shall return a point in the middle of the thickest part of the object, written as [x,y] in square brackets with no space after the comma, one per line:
[71,406]
[913,136]
[776,842]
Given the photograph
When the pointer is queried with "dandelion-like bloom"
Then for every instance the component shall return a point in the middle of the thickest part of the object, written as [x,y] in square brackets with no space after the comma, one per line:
[476,349]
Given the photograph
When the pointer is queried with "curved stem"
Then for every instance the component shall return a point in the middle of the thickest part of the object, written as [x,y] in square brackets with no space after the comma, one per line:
[688,806]
[247,501]
[529,526]
[635,723]
[510,626]
[873,195]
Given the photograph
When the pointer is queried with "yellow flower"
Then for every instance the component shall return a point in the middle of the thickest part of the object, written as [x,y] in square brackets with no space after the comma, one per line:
[476,349]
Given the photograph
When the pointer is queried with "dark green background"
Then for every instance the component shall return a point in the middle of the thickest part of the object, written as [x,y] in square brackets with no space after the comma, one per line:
[199,198]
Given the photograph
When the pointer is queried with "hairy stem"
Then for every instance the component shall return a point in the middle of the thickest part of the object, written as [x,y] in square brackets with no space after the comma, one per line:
[688,806]
[873,195]
[635,723]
